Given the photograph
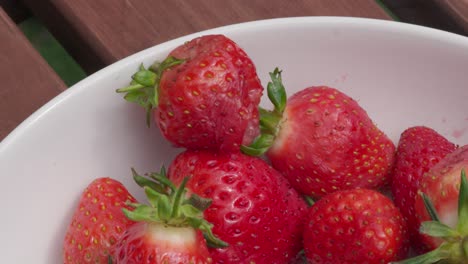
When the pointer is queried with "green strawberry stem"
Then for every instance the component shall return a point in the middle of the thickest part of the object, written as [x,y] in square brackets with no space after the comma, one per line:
[276,91]
[430,208]
[309,200]
[269,120]
[430,257]
[454,249]
[259,146]
[465,247]
[462,226]
[144,88]
[438,229]
[169,205]
[178,198]
[143,181]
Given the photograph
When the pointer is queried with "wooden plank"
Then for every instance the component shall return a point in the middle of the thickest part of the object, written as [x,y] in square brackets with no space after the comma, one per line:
[27,80]
[98,33]
[440,14]
[457,10]
[15,9]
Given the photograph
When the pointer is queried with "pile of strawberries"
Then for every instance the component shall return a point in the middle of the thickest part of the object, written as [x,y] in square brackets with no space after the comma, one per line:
[300,183]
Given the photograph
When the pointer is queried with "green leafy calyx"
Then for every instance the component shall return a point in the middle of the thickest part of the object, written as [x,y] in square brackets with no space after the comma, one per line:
[269,120]
[454,249]
[144,87]
[170,205]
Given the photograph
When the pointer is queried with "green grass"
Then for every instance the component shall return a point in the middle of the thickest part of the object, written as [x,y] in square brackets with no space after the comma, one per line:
[57,57]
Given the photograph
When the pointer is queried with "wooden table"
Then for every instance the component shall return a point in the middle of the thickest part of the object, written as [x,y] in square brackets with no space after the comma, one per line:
[100,32]
[27,81]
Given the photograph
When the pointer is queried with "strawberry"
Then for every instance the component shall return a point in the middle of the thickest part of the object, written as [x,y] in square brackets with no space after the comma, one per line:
[355,226]
[419,149]
[442,209]
[254,209]
[97,223]
[322,141]
[169,229]
[205,95]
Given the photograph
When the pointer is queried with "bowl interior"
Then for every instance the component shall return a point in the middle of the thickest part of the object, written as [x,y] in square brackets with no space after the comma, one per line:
[403,75]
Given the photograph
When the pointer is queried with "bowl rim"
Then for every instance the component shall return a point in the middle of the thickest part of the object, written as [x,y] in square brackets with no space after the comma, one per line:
[370,23]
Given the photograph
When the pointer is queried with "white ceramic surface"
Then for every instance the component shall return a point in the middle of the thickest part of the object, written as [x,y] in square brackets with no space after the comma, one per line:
[403,75]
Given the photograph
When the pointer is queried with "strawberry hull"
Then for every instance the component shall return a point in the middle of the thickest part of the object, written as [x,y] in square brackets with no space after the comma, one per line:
[442,209]
[253,207]
[170,228]
[419,149]
[441,185]
[163,244]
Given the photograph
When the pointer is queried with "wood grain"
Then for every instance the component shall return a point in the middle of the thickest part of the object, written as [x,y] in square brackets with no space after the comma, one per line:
[98,33]
[458,10]
[438,14]
[15,10]
[27,80]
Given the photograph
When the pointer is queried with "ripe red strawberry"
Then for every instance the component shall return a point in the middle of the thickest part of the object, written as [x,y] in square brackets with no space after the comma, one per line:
[205,95]
[441,186]
[254,209]
[419,149]
[355,226]
[170,228]
[97,223]
[322,141]
[442,209]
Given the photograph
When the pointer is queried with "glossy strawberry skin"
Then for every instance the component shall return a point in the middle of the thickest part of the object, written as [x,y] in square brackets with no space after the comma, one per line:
[253,207]
[355,226]
[441,185]
[97,223]
[159,244]
[327,142]
[211,100]
[419,149]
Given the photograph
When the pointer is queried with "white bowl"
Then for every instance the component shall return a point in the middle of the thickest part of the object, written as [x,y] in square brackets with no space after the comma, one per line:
[403,75]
